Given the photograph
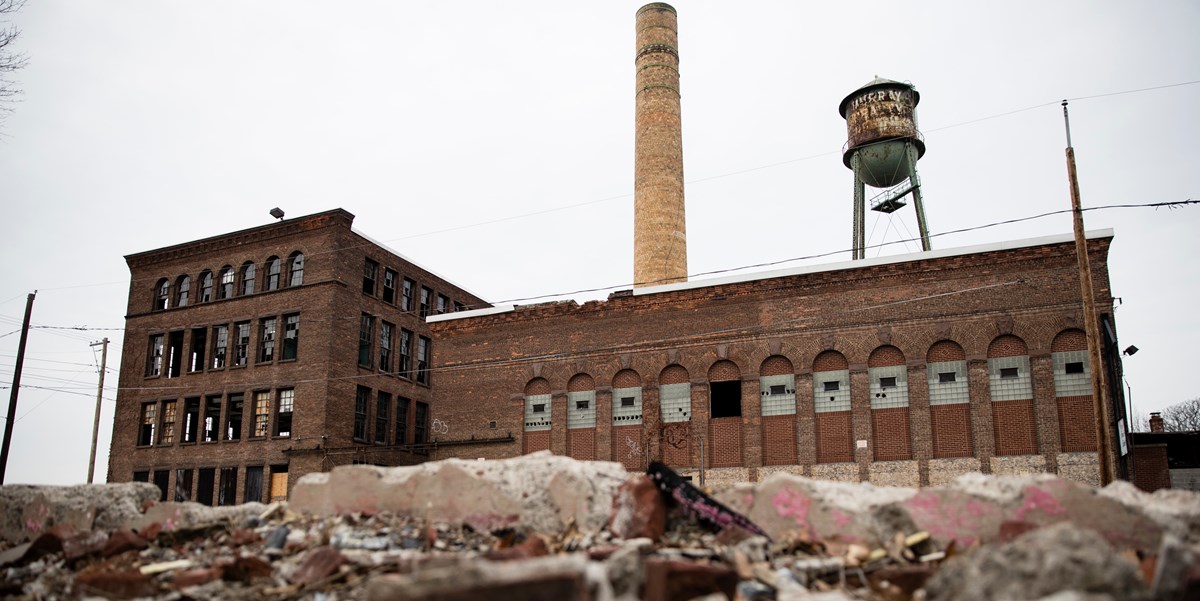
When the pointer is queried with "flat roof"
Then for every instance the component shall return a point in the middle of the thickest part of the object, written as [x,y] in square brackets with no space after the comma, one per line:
[821,268]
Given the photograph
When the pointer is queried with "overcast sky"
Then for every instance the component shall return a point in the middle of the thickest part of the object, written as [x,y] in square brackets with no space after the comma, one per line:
[492,142]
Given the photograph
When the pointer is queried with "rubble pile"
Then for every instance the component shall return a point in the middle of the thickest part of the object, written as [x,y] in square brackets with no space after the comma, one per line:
[547,527]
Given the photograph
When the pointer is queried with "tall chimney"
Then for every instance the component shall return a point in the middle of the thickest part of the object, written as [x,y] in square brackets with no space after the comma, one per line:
[1156,423]
[659,229]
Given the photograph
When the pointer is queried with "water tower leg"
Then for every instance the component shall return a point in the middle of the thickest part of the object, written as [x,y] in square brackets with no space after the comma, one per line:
[915,180]
[859,212]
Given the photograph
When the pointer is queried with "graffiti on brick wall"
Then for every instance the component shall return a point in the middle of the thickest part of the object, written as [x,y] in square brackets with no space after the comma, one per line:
[635,447]
[676,434]
[440,427]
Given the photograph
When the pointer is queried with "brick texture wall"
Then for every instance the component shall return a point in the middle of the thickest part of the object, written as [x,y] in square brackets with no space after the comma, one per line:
[775,365]
[536,441]
[1077,423]
[581,444]
[835,438]
[951,425]
[945,350]
[1151,471]
[779,440]
[628,447]
[892,435]
[725,442]
[1015,430]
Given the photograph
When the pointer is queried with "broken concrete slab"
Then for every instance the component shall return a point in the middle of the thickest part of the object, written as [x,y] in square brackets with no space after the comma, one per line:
[541,491]
[27,510]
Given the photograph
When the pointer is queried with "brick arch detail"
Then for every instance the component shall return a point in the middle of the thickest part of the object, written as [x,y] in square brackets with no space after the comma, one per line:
[537,386]
[626,378]
[1007,345]
[884,356]
[1072,339]
[776,365]
[674,374]
[945,350]
[724,371]
[581,382]
[830,361]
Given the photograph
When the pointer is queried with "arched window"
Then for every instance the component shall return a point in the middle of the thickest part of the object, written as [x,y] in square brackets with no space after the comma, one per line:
[675,406]
[627,398]
[274,267]
[296,269]
[183,286]
[777,385]
[831,403]
[537,416]
[225,285]
[162,294]
[1011,387]
[949,400]
[1073,391]
[247,278]
[890,428]
[206,287]
[581,417]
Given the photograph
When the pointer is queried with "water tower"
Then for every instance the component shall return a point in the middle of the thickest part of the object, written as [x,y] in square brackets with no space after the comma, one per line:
[882,149]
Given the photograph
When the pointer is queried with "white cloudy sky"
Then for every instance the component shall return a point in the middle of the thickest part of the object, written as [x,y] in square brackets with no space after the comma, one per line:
[493,143]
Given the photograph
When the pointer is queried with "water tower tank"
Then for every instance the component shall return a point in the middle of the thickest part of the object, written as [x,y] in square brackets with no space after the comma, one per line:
[881,121]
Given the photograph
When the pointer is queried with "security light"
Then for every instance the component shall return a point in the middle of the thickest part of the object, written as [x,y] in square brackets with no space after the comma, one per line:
[277,213]
[1131,350]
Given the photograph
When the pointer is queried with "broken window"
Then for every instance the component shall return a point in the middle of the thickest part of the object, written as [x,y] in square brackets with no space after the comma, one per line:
[459,307]
[361,398]
[888,382]
[582,404]
[191,419]
[365,327]
[228,488]
[155,356]
[283,413]
[262,413]
[183,286]
[389,286]
[206,287]
[291,336]
[266,340]
[422,360]
[777,389]
[443,304]
[946,377]
[420,422]
[254,484]
[233,417]
[148,423]
[241,343]
[725,398]
[247,278]
[141,476]
[199,344]
[174,353]
[406,294]
[404,370]
[162,481]
[539,408]
[1009,372]
[832,386]
[212,418]
[205,482]
[220,346]
[296,269]
[401,420]
[225,289]
[162,295]
[167,435]
[627,401]
[274,267]
[369,269]
[385,346]
[183,485]
[425,297]
[382,403]
[1075,367]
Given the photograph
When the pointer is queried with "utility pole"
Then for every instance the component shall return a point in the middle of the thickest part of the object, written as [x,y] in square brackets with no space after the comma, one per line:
[1099,398]
[99,396]
[16,386]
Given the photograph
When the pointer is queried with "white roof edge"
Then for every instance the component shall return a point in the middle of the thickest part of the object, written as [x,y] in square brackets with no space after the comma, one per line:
[472,313]
[843,265]
[402,256]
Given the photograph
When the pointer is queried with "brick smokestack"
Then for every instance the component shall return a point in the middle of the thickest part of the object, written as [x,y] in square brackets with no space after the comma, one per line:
[1156,423]
[659,229]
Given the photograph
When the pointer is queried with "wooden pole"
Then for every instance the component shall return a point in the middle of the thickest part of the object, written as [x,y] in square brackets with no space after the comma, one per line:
[16,386]
[99,397]
[1099,398]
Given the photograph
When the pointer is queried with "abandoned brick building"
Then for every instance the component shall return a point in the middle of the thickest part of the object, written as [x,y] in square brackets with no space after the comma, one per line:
[259,355]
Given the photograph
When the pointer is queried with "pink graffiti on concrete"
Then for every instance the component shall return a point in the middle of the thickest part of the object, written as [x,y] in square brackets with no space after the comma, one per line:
[789,503]
[1038,499]
[960,517]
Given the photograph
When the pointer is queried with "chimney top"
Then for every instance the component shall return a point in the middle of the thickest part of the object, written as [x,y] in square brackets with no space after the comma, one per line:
[1156,423]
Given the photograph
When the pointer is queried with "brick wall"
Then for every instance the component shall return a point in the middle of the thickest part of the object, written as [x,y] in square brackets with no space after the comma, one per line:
[1014,427]
[891,432]
[779,440]
[536,441]
[581,444]
[1150,471]
[725,442]
[628,446]
[1077,423]
[835,438]
[951,426]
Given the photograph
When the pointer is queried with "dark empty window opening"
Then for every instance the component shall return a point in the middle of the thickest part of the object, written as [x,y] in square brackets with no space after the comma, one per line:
[228,487]
[383,404]
[174,353]
[402,420]
[161,480]
[888,382]
[725,398]
[233,417]
[212,419]
[183,485]
[581,405]
[389,286]
[254,484]
[369,269]
[191,421]
[361,398]
[148,423]
[205,482]
[425,298]
[162,295]
[1075,367]
[627,401]
[1009,372]
[199,344]
[492,425]
[539,408]
[406,294]
[778,389]
[420,423]
[241,344]
[946,377]
[833,386]
[291,336]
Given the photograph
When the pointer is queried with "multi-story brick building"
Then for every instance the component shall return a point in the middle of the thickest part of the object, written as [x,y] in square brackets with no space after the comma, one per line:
[254,357]
[905,370]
